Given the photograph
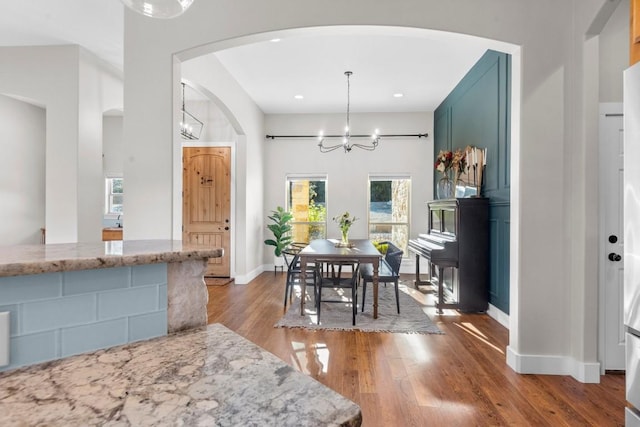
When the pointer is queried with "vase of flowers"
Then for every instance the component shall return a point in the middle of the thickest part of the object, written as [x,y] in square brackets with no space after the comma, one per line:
[459,167]
[448,162]
[444,163]
[345,221]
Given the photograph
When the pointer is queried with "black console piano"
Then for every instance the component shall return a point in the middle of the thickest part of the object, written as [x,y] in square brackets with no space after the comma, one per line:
[457,247]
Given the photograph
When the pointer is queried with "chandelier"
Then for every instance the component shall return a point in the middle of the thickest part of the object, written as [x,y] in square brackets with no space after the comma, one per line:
[347,144]
[347,138]
[164,9]
[190,126]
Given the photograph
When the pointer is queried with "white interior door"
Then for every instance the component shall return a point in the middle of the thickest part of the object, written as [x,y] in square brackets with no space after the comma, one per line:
[611,237]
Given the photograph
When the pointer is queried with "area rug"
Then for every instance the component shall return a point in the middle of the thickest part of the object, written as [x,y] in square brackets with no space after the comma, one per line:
[337,316]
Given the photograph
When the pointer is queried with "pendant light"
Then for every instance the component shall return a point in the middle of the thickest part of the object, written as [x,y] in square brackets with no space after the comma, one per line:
[163,9]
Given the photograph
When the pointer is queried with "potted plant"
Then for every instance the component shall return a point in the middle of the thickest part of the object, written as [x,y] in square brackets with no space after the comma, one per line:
[280,228]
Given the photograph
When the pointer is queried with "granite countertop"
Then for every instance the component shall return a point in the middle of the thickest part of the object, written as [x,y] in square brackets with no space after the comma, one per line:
[207,376]
[36,259]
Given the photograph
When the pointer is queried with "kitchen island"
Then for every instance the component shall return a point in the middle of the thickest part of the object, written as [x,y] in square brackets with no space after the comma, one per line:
[66,299]
[206,376]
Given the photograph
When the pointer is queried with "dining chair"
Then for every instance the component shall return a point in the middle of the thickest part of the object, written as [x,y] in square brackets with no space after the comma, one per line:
[294,271]
[388,271]
[341,280]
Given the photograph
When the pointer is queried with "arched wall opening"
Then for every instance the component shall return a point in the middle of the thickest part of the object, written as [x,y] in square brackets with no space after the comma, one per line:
[547,335]
[207,49]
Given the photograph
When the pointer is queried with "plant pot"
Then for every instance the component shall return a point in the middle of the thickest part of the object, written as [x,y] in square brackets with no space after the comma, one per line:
[278,261]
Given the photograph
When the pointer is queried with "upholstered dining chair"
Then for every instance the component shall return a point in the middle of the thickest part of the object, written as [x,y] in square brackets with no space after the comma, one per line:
[336,281]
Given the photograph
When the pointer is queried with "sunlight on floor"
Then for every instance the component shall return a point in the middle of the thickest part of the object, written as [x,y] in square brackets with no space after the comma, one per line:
[312,359]
[419,348]
[473,331]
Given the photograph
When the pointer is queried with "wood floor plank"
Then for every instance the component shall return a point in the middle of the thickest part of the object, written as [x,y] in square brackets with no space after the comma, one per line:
[457,379]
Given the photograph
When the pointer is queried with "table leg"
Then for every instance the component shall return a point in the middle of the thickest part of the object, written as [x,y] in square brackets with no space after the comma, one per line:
[375,289]
[303,283]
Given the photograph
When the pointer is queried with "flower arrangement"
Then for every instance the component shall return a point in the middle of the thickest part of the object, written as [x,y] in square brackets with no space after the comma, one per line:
[459,163]
[345,221]
[444,161]
[449,160]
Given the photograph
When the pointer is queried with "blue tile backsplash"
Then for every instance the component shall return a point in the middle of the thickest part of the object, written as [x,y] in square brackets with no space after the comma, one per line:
[61,314]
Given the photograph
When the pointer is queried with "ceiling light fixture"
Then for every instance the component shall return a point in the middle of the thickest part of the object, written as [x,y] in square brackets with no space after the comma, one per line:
[398,95]
[347,144]
[190,127]
[164,9]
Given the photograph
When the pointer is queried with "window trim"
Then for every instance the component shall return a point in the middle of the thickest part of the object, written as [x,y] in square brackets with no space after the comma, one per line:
[308,177]
[389,177]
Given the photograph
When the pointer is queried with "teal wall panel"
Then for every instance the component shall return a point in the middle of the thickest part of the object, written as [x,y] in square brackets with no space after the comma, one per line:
[477,113]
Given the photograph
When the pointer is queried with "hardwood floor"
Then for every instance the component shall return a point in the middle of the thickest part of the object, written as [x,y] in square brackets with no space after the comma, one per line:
[457,379]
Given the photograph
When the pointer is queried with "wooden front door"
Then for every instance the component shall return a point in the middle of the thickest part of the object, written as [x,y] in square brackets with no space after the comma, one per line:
[206,202]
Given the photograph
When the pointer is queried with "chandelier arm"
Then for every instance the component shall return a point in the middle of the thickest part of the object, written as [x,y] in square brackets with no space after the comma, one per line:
[325,149]
[365,147]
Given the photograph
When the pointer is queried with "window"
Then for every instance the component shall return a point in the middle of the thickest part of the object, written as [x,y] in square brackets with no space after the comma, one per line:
[307,202]
[114,195]
[389,204]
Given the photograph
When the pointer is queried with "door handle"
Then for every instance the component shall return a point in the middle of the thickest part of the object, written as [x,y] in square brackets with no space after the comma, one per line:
[614,257]
[226,228]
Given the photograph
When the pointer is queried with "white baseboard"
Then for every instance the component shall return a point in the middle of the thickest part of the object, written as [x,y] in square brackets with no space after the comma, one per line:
[246,278]
[498,315]
[584,372]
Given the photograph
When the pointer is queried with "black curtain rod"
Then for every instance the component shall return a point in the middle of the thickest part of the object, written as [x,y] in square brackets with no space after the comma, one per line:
[417,135]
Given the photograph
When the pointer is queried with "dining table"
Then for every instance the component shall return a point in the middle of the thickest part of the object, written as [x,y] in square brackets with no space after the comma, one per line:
[332,250]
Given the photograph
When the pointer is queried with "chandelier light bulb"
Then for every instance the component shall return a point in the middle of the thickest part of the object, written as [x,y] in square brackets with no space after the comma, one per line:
[164,9]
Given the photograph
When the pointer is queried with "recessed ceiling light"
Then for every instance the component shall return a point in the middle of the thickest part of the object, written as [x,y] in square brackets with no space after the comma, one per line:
[398,95]
[298,97]
[274,40]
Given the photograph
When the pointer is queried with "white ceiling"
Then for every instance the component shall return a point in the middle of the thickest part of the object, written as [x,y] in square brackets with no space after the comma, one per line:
[422,66]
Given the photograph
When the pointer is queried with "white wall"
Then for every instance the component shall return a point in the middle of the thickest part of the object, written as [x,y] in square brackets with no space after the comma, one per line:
[22,181]
[75,89]
[216,125]
[248,123]
[112,148]
[614,53]
[348,173]
[552,203]
[49,76]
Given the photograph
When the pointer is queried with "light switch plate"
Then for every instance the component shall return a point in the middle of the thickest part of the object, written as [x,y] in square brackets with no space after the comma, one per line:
[4,338]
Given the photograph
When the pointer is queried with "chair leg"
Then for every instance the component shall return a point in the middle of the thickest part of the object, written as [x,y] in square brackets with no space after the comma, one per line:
[318,303]
[286,289]
[354,299]
[364,292]
[397,295]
